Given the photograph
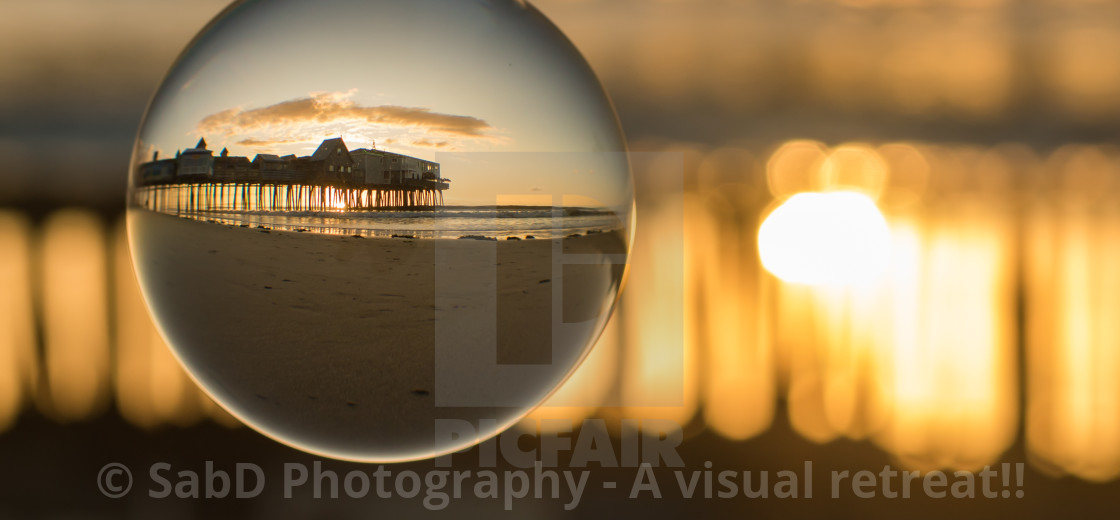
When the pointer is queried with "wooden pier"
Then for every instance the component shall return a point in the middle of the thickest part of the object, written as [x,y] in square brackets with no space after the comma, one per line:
[238,196]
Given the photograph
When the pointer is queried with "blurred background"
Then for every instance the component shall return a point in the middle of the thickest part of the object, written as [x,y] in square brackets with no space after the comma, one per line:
[986,331]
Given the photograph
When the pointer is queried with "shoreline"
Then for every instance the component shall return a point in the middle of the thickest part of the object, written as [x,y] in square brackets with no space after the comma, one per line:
[274,221]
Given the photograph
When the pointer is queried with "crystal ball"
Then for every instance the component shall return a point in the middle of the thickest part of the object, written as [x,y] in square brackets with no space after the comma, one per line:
[380,230]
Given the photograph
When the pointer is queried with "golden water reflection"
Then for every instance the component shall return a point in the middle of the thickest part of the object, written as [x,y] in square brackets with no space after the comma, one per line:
[73,294]
[18,369]
[1073,302]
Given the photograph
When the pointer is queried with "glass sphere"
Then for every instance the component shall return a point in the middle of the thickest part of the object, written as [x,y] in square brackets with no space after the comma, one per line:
[380,230]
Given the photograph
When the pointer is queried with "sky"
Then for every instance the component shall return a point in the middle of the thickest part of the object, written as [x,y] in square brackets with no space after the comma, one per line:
[419,77]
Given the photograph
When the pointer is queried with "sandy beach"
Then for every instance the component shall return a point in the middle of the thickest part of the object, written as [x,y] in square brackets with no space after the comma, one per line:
[354,347]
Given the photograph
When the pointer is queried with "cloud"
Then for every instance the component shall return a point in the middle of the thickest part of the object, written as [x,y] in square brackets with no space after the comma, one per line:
[304,119]
[259,143]
[425,143]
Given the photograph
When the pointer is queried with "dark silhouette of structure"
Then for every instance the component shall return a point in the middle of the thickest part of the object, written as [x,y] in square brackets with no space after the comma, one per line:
[331,178]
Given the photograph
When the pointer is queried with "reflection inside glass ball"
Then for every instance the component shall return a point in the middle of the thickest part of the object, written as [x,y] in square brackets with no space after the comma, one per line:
[353,220]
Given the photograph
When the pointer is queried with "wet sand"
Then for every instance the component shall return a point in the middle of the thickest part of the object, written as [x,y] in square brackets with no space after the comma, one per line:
[329,342]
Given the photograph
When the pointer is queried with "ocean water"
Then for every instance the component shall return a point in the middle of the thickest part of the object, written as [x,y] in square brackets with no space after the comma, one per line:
[447,222]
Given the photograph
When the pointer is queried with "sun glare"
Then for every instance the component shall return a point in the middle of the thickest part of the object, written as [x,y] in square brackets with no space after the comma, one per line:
[832,238]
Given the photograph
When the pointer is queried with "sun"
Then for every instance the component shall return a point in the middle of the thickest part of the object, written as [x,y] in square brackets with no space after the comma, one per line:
[825,238]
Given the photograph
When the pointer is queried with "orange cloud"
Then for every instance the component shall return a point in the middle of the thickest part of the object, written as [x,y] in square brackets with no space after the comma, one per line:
[426,143]
[269,142]
[336,108]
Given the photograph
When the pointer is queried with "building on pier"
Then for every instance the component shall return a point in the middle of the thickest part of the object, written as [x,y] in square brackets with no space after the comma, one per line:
[331,163]
[271,168]
[364,177]
[158,171]
[196,163]
[234,169]
[378,167]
